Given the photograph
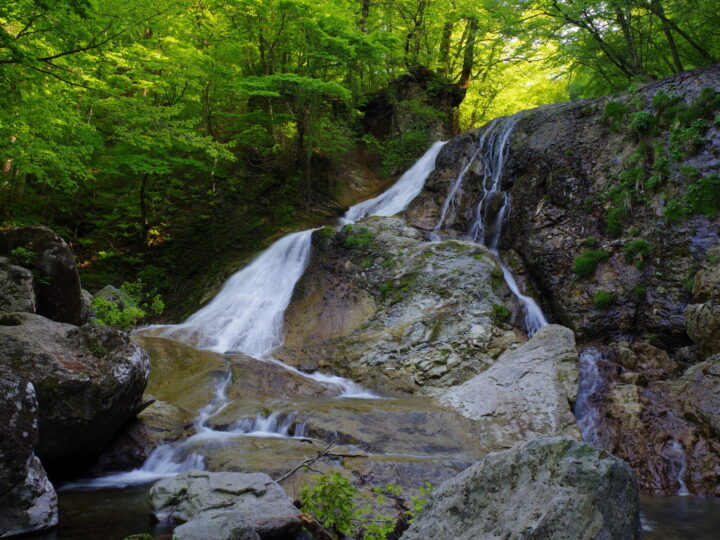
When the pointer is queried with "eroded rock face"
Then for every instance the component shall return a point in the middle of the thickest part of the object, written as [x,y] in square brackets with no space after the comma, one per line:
[16,288]
[545,489]
[89,380]
[59,295]
[526,394]
[383,307]
[254,498]
[27,499]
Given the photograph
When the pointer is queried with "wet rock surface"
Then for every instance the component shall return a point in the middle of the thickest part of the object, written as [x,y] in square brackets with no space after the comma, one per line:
[27,499]
[89,380]
[254,499]
[545,489]
[655,314]
[383,307]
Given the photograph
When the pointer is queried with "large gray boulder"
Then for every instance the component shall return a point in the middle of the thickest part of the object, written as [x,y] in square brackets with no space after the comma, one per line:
[383,307]
[59,295]
[546,489]
[89,380]
[254,498]
[27,499]
[527,394]
[16,288]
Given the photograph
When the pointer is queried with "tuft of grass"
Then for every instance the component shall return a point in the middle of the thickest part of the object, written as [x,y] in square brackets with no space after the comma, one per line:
[603,299]
[585,265]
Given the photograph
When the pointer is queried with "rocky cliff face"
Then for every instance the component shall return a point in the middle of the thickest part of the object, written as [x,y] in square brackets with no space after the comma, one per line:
[613,227]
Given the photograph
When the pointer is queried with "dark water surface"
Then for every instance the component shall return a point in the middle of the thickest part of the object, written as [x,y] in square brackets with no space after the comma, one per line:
[680,518]
[104,515]
[115,514]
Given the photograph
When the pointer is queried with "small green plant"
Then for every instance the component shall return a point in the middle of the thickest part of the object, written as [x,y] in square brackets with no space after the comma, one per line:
[689,284]
[108,313]
[343,510]
[585,265]
[603,299]
[331,501]
[637,252]
[614,115]
[614,221]
[146,298]
[500,313]
[674,212]
[703,196]
[640,292]
[366,262]
[23,256]
[357,237]
[643,123]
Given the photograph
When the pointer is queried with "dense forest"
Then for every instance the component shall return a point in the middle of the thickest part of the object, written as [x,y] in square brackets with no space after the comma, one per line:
[150,133]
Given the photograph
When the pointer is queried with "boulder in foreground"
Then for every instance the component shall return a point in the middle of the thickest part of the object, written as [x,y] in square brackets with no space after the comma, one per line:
[546,489]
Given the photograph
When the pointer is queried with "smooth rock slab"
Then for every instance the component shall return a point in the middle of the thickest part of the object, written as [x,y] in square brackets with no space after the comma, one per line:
[526,394]
[254,497]
[547,489]
[17,291]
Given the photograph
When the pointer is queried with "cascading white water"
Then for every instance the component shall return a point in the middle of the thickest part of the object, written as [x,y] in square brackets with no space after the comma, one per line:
[586,414]
[492,152]
[402,192]
[247,316]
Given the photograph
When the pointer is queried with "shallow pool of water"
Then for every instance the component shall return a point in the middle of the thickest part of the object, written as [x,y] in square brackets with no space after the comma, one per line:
[680,518]
[104,514]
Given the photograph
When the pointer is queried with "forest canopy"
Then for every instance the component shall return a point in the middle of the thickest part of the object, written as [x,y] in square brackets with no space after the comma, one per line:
[116,115]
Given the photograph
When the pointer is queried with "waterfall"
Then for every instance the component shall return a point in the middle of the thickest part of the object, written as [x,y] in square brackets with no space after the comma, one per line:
[247,316]
[586,414]
[674,452]
[492,153]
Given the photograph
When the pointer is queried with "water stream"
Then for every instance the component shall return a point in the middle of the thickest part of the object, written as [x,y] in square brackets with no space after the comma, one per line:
[586,413]
[491,153]
[247,316]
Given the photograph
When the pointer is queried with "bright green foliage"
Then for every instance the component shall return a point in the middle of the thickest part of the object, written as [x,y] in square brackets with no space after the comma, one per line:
[108,313]
[146,298]
[339,506]
[331,502]
[603,299]
[637,252]
[586,263]
[500,313]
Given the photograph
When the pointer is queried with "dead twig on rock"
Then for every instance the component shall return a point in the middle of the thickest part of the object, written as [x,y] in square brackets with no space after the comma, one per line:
[328,451]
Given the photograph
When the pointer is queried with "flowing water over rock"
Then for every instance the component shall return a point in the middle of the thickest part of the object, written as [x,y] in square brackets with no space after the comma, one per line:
[491,154]
[247,317]
[591,381]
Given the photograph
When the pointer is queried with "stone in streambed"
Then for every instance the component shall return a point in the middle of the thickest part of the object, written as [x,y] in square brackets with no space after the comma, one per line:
[546,489]
[221,527]
[254,498]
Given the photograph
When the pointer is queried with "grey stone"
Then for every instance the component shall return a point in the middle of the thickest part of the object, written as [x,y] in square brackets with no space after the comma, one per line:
[546,489]
[255,497]
[220,527]
[528,393]
[16,288]
[89,380]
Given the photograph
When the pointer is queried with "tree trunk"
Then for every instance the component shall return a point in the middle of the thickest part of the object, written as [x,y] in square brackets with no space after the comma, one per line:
[468,54]
[444,52]
[660,12]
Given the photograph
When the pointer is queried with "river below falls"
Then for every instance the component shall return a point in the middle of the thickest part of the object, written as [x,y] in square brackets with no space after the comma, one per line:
[115,514]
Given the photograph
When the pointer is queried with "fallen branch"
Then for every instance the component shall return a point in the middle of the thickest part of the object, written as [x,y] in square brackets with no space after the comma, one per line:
[325,452]
[314,528]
